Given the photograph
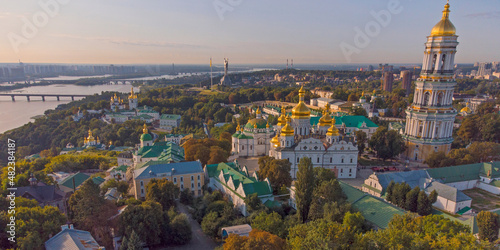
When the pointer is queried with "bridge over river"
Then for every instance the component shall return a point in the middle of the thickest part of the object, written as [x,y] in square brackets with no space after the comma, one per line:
[58,96]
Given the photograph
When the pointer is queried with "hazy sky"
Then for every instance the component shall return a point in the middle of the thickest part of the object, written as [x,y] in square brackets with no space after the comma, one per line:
[246,31]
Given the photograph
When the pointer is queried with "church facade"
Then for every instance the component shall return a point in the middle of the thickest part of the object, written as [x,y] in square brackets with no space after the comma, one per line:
[253,139]
[322,143]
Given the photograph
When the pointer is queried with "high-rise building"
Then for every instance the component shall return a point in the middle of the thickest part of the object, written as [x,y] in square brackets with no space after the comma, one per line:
[484,69]
[429,119]
[406,76]
[388,80]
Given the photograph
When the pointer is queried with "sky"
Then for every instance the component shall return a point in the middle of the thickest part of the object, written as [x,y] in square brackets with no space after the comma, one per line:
[245,31]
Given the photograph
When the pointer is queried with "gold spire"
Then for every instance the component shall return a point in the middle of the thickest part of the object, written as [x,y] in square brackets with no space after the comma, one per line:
[333,131]
[301,111]
[238,127]
[267,124]
[255,126]
[444,27]
[282,118]
[132,94]
[258,111]
[326,119]
[287,130]
[275,142]
[145,129]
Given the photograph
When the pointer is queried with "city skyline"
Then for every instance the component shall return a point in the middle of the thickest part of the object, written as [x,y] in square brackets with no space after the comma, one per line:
[247,32]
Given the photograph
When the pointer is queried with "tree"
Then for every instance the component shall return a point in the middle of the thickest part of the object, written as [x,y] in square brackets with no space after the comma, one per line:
[34,226]
[304,187]
[162,191]
[278,172]
[390,192]
[387,143]
[253,203]
[135,242]
[257,239]
[488,224]
[186,197]
[147,220]
[361,140]
[335,211]
[412,200]
[424,206]
[355,221]
[211,224]
[438,160]
[323,174]
[124,243]
[180,230]
[90,211]
[271,223]
[217,155]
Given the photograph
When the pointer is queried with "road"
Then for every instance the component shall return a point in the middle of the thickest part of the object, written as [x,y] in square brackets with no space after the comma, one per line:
[199,239]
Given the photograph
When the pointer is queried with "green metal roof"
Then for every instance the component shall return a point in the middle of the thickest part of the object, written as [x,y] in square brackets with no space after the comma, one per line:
[272,204]
[122,168]
[375,210]
[233,170]
[146,137]
[163,151]
[78,177]
[170,117]
[349,120]
[261,123]
[463,210]
[459,173]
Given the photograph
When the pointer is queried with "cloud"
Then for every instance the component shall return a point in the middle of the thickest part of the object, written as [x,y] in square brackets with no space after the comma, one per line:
[485,15]
[122,41]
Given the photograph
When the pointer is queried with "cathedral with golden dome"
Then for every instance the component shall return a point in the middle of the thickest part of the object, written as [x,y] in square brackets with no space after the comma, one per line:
[297,137]
[430,118]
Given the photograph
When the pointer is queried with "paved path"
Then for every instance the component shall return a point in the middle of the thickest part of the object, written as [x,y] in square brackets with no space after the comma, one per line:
[199,239]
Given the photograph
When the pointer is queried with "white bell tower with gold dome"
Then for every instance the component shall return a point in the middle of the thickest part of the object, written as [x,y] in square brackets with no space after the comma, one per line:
[430,118]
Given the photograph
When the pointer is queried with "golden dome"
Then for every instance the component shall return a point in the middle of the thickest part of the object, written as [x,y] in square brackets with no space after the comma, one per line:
[287,130]
[145,129]
[267,125]
[255,125]
[301,111]
[282,118]
[466,110]
[132,94]
[275,142]
[258,111]
[333,131]
[445,27]
[326,119]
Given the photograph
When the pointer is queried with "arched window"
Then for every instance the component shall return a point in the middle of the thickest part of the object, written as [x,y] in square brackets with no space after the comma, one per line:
[442,63]
[434,59]
[427,97]
[440,99]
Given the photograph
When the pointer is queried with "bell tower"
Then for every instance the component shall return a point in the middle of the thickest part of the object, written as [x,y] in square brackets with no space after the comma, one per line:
[430,118]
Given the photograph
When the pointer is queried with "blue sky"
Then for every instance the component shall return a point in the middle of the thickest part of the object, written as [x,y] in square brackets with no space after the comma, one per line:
[246,31]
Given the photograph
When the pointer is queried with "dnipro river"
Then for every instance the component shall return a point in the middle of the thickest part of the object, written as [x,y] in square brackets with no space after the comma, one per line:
[18,113]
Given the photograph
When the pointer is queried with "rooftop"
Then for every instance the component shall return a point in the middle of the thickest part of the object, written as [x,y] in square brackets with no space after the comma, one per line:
[72,239]
[154,169]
